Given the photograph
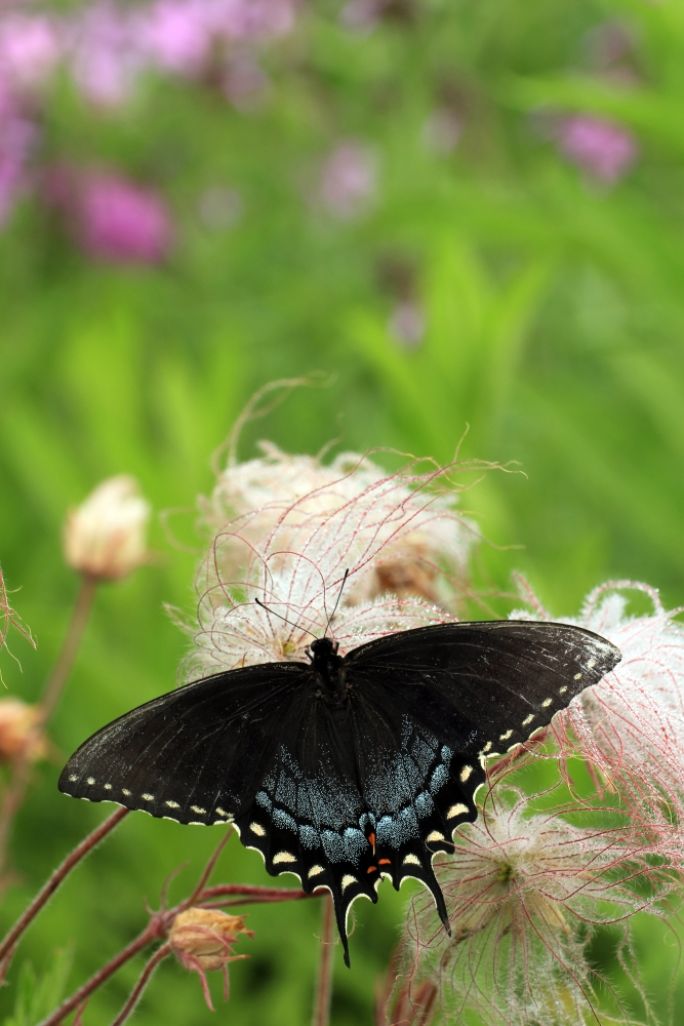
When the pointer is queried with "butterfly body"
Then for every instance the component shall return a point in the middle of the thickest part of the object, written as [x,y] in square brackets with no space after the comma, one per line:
[349,767]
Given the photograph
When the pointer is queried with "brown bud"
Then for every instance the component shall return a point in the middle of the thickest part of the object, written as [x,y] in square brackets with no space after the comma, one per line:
[20,733]
[202,939]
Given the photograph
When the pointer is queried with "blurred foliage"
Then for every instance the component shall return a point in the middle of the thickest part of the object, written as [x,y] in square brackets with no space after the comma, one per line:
[554,321]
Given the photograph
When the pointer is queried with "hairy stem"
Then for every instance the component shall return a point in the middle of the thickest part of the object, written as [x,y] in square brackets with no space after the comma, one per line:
[321,1012]
[146,975]
[54,686]
[154,929]
[157,928]
[65,660]
[9,942]
[248,894]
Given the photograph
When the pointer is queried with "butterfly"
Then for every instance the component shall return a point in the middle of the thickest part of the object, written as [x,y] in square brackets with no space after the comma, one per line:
[347,768]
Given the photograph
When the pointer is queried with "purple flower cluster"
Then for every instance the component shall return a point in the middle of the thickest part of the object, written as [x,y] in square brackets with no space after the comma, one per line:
[17,137]
[604,149]
[110,217]
[107,46]
[348,179]
[105,49]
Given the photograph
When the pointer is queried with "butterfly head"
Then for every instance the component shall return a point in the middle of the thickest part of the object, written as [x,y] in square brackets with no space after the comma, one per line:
[322,653]
[327,664]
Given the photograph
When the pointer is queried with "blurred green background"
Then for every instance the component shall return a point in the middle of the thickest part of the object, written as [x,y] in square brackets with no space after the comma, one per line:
[399,198]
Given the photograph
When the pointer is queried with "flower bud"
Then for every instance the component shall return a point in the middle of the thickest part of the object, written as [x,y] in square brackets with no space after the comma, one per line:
[20,733]
[104,537]
[202,939]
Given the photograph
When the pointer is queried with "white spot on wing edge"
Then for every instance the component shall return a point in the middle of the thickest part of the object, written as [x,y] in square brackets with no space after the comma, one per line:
[459,809]
[171,804]
[315,871]
[435,835]
[198,809]
[348,881]
[465,773]
[283,856]
[257,829]
[412,860]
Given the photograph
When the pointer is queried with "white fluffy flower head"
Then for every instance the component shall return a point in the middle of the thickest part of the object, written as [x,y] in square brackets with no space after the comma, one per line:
[104,537]
[269,500]
[631,725]
[371,547]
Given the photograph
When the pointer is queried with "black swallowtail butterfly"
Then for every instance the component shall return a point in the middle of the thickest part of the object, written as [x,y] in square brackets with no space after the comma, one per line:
[347,768]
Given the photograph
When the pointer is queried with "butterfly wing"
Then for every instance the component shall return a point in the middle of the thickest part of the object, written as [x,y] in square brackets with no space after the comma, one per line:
[314,813]
[250,747]
[448,696]
[195,755]
[341,793]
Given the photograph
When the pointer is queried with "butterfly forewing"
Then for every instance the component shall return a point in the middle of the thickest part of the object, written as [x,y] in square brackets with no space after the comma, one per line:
[491,683]
[196,754]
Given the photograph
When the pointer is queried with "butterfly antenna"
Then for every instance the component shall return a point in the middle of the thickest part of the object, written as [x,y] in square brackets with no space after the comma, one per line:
[337,601]
[285,619]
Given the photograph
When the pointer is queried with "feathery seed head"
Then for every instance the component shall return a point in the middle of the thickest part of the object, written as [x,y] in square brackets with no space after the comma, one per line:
[400,528]
[104,537]
[297,527]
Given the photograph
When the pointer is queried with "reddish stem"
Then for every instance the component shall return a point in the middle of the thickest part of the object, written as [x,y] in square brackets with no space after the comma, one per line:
[209,868]
[21,769]
[154,929]
[253,893]
[321,1014]
[65,660]
[157,928]
[144,978]
[9,942]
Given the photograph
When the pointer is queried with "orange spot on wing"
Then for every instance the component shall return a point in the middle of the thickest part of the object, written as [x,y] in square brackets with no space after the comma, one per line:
[372,869]
[384,862]
[371,841]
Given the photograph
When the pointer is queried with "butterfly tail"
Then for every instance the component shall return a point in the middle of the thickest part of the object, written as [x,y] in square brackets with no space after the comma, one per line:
[341,907]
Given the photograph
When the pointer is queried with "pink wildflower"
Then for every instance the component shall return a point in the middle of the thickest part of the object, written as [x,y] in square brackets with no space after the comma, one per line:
[112,218]
[604,149]
[176,34]
[407,323]
[348,179]
[30,48]
[18,136]
[103,53]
